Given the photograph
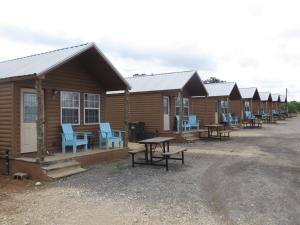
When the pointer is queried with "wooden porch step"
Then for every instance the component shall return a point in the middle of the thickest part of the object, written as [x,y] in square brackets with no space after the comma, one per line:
[61,165]
[65,173]
[192,139]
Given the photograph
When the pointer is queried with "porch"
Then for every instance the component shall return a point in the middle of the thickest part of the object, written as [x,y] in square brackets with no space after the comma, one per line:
[61,165]
[186,136]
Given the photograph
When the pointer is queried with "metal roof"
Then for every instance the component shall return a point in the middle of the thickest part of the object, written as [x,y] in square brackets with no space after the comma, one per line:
[159,82]
[219,89]
[248,92]
[44,62]
[264,96]
[283,98]
[275,97]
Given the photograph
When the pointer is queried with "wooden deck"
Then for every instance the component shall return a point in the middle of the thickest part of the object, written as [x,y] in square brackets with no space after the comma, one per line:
[61,165]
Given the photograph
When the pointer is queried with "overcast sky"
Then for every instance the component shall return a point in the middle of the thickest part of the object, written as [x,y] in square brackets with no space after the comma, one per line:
[251,42]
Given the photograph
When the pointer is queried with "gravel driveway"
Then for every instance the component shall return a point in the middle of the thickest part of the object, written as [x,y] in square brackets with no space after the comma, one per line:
[254,178]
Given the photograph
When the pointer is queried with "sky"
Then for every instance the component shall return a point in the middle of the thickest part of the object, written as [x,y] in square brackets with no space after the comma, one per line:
[255,43]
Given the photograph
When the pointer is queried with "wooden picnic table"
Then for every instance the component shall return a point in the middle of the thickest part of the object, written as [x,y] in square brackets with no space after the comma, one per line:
[163,142]
[214,127]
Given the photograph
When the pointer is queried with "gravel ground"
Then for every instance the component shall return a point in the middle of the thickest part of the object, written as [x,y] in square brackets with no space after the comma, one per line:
[254,178]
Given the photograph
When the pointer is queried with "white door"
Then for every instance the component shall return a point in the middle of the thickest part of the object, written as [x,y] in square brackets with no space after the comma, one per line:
[166,106]
[28,120]
[217,108]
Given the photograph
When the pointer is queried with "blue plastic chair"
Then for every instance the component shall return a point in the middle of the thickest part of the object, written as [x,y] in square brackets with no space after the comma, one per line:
[185,125]
[193,122]
[108,137]
[275,113]
[249,115]
[225,119]
[233,119]
[70,138]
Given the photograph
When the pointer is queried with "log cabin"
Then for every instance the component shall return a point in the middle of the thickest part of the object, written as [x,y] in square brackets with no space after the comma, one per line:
[155,100]
[222,98]
[40,92]
[250,100]
[266,102]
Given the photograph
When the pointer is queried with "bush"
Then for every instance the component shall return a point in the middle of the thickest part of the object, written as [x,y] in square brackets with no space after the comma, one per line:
[294,107]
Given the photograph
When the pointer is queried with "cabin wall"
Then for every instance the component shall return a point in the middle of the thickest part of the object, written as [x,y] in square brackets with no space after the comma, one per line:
[236,106]
[204,109]
[6,121]
[69,77]
[143,107]
[256,106]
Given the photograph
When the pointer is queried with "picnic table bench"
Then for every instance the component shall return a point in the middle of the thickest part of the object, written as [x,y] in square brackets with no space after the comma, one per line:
[224,133]
[165,155]
[168,156]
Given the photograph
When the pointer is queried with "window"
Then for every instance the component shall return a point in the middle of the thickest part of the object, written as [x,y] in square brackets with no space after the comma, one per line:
[91,108]
[166,105]
[70,107]
[224,106]
[186,106]
[29,107]
[247,106]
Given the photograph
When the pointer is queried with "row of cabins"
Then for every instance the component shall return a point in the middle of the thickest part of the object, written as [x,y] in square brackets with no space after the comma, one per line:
[79,85]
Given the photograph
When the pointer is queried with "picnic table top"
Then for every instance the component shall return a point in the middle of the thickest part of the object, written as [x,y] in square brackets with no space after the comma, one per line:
[156,140]
[214,125]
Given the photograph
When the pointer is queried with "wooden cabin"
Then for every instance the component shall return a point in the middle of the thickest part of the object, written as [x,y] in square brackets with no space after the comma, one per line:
[283,103]
[155,100]
[265,102]
[222,98]
[250,100]
[275,102]
[40,92]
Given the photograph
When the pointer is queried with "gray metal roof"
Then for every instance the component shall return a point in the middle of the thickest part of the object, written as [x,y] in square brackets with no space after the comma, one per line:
[275,97]
[264,96]
[248,92]
[39,63]
[282,98]
[219,89]
[42,63]
[158,82]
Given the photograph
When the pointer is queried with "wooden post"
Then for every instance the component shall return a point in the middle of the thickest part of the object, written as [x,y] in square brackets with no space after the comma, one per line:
[126,118]
[180,99]
[40,119]
[286,102]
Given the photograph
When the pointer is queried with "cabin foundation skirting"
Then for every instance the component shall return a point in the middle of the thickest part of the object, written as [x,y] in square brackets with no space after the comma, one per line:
[34,169]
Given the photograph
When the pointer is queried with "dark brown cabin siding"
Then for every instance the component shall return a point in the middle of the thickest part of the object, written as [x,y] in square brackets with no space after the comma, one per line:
[204,109]
[69,77]
[6,120]
[144,107]
[256,106]
[236,106]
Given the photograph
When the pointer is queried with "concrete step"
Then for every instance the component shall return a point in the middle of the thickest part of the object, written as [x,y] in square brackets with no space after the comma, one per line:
[65,173]
[61,165]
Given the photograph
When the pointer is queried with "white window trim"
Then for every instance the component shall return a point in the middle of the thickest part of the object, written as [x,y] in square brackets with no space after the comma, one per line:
[182,106]
[84,108]
[188,107]
[61,108]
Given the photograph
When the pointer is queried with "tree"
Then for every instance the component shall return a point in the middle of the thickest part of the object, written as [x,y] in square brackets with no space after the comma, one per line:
[294,106]
[213,80]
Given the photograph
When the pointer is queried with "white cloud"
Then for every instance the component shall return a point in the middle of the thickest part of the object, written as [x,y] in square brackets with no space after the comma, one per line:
[252,42]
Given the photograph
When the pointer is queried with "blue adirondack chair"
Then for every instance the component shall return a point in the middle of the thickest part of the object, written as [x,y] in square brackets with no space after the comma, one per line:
[233,119]
[249,115]
[70,138]
[185,125]
[275,113]
[193,122]
[108,137]
[225,119]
